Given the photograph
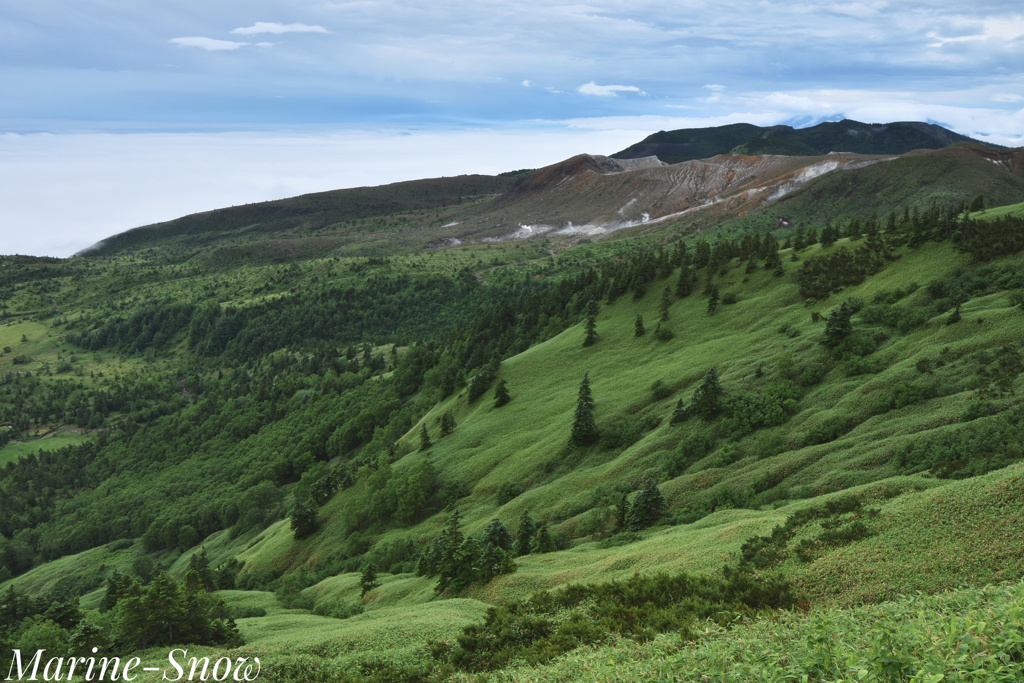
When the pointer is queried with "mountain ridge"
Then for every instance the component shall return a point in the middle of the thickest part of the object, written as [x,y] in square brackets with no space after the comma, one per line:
[846,136]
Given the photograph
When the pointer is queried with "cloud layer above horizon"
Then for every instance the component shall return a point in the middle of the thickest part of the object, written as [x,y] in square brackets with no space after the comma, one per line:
[337,63]
[317,66]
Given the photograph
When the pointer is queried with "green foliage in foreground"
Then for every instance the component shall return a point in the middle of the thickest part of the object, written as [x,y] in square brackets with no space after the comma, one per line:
[554,622]
[965,635]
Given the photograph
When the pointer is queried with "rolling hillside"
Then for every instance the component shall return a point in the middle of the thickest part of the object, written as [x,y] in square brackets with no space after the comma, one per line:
[799,426]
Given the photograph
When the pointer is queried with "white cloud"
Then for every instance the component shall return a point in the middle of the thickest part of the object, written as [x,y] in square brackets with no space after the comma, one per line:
[211,44]
[62,193]
[1006,97]
[265,27]
[593,88]
[527,84]
[858,9]
[716,88]
[264,45]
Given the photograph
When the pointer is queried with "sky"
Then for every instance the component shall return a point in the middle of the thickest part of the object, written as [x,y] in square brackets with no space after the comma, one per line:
[119,113]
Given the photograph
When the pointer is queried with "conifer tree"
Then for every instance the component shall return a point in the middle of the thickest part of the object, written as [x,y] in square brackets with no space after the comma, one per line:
[524,534]
[647,507]
[666,303]
[707,397]
[200,564]
[501,395]
[713,297]
[639,287]
[425,441]
[165,606]
[955,316]
[493,562]
[497,551]
[680,413]
[497,534]
[544,543]
[132,618]
[685,285]
[440,558]
[447,423]
[779,270]
[368,580]
[464,567]
[481,381]
[622,513]
[838,326]
[639,331]
[591,324]
[751,265]
[584,429]
[800,241]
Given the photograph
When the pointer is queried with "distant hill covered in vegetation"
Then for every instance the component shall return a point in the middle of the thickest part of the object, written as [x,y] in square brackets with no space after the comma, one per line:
[848,136]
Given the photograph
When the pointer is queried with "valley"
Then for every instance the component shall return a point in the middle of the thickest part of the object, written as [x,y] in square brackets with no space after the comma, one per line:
[802,376]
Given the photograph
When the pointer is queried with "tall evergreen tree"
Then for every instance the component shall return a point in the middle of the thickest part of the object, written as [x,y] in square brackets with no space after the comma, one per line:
[647,507]
[501,395]
[200,564]
[544,543]
[368,580]
[713,298]
[447,423]
[439,558]
[493,562]
[707,397]
[622,513]
[132,618]
[464,567]
[525,534]
[838,326]
[590,326]
[666,303]
[165,607]
[685,285]
[584,428]
[497,534]
[639,327]
[425,441]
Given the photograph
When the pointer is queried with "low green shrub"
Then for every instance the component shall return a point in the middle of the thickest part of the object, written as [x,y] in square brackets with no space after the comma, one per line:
[983,445]
[509,491]
[827,430]
[551,623]
[337,609]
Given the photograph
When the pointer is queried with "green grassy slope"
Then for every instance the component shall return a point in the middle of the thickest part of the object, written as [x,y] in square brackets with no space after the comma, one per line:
[524,442]
[859,427]
[960,635]
[945,176]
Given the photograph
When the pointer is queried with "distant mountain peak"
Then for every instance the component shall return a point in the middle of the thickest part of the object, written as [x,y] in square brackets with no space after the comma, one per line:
[847,136]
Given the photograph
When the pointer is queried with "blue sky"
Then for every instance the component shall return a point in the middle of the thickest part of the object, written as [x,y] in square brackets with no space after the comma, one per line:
[149,110]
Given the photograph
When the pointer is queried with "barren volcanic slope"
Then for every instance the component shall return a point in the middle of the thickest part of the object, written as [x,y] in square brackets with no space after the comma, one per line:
[593,195]
[589,195]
